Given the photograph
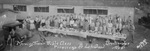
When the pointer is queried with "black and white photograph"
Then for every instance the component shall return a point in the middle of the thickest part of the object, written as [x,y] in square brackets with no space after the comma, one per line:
[74,25]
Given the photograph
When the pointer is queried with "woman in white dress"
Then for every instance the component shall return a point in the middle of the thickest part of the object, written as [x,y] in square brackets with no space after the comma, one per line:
[120,23]
[104,26]
[100,25]
[97,26]
[32,26]
[68,22]
[47,22]
[71,23]
[92,25]
[81,23]
[24,24]
[109,27]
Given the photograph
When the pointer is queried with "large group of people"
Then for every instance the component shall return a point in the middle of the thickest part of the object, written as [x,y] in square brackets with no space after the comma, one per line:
[110,24]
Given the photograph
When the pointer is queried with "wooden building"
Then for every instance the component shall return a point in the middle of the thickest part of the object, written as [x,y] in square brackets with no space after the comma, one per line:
[44,8]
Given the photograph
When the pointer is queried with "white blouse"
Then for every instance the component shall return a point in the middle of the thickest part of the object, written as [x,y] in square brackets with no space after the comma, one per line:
[110,24]
[31,21]
[71,21]
[42,21]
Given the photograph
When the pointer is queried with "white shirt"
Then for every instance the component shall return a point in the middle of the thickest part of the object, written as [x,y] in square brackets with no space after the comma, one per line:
[61,25]
[110,25]
[42,21]
[32,21]
[75,24]
[119,19]
[27,19]
[72,22]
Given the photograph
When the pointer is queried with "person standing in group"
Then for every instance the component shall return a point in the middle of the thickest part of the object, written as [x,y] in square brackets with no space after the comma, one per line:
[104,25]
[97,24]
[117,24]
[61,25]
[24,24]
[86,25]
[81,23]
[101,28]
[47,22]
[52,22]
[109,27]
[129,20]
[68,21]
[28,22]
[37,22]
[131,26]
[71,23]
[32,26]
[56,22]
[78,21]
[50,18]
[65,23]
[42,23]
[114,24]
[106,19]
[124,22]
[92,25]
[78,24]
[120,23]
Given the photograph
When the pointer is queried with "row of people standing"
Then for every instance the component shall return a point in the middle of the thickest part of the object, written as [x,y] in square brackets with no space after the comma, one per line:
[100,24]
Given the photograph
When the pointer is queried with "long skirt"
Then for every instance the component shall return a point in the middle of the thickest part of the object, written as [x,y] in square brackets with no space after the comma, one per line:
[109,30]
[32,26]
[100,29]
[37,25]
[56,24]
[86,28]
[113,30]
[96,28]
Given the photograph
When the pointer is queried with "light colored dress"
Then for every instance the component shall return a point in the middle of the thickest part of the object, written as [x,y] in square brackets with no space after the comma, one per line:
[61,25]
[43,21]
[92,26]
[32,26]
[47,23]
[71,22]
[24,24]
[27,23]
[109,28]
[97,26]
[64,23]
